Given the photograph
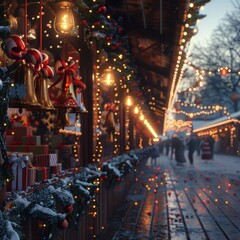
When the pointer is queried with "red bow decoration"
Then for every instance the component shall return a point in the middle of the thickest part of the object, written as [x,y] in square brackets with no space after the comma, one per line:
[43,68]
[68,70]
[110,107]
[15,49]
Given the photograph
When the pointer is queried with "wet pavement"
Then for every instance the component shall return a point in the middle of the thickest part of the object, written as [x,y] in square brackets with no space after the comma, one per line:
[199,201]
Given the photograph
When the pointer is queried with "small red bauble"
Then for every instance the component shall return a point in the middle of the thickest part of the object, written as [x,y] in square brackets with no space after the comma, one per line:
[63,224]
[69,209]
[108,38]
[102,9]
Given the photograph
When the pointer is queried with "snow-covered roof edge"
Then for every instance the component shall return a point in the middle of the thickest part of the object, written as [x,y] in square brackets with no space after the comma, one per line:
[217,122]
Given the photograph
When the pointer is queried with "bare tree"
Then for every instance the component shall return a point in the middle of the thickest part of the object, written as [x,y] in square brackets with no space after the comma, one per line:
[223,50]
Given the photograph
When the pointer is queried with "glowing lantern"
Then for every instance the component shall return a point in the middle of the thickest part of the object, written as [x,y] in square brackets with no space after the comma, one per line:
[108,77]
[129,101]
[64,21]
[224,71]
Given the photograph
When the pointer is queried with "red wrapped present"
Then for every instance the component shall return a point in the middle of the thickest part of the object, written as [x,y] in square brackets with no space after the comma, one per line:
[18,164]
[55,140]
[9,139]
[65,151]
[46,160]
[31,140]
[36,150]
[42,174]
[31,178]
[59,168]
[53,170]
[19,132]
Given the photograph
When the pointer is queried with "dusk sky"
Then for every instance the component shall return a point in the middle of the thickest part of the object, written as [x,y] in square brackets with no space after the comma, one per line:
[215,11]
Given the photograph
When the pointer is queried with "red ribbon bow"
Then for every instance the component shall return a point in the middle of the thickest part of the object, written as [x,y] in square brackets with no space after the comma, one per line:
[110,107]
[15,49]
[43,68]
[68,70]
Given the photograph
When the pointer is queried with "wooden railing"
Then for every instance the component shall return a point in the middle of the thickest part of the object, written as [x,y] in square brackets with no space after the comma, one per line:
[107,200]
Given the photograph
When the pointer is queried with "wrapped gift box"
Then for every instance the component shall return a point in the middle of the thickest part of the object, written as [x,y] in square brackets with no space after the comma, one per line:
[29,154]
[21,131]
[18,163]
[46,160]
[59,168]
[36,150]
[31,176]
[42,174]
[55,140]
[65,151]
[31,140]
[53,170]
[9,139]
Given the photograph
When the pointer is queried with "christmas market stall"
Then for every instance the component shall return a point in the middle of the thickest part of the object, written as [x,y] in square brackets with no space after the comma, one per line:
[75,124]
[225,131]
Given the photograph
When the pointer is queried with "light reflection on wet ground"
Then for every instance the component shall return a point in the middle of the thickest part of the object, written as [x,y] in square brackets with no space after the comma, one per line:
[189,202]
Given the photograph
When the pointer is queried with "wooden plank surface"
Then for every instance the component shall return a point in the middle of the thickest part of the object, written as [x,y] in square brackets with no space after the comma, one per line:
[190,202]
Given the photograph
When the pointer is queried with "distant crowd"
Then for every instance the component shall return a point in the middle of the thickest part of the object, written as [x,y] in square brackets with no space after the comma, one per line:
[175,147]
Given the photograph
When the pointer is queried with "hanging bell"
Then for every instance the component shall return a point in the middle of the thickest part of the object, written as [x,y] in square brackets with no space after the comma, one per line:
[42,93]
[110,125]
[63,118]
[25,90]
[79,100]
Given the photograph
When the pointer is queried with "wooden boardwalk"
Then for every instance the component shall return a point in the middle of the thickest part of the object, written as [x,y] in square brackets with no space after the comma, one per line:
[190,202]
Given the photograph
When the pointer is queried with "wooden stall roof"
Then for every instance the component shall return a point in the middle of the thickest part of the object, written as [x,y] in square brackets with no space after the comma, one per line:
[155,29]
[234,117]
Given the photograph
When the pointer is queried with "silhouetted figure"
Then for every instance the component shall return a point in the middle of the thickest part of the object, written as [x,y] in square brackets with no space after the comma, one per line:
[211,142]
[198,145]
[178,148]
[155,155]
[167,146]
[191,148]
[206,150]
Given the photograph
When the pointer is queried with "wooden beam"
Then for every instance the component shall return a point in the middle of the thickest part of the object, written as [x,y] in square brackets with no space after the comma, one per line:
[158,70]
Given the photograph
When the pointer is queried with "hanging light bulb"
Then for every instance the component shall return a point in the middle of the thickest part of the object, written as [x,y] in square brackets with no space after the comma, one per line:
[136,110]
[129,101]
[64,21]
[108,77]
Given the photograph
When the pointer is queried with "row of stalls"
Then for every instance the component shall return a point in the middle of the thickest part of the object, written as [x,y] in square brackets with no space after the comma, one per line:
[77,80]
[225,131]
[71,134]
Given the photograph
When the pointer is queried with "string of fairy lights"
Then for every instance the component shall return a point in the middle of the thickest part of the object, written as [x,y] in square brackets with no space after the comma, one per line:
[116,114]
[201,72]
[188,31]
[96,107]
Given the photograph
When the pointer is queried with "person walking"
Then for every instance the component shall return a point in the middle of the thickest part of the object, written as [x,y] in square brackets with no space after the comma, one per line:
[211,142]
[178,148]
[206,150]
[155,154]
[198,146]
[191,148]
[167,146]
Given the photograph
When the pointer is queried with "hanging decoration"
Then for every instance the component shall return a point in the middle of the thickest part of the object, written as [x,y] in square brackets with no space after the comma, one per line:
[109,121]
[64,22]
[68,78]
[29,59]
[43,72]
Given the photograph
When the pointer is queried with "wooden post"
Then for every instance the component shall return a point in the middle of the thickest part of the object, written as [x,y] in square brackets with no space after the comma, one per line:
[2,195]
[122,127]
[86,140]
